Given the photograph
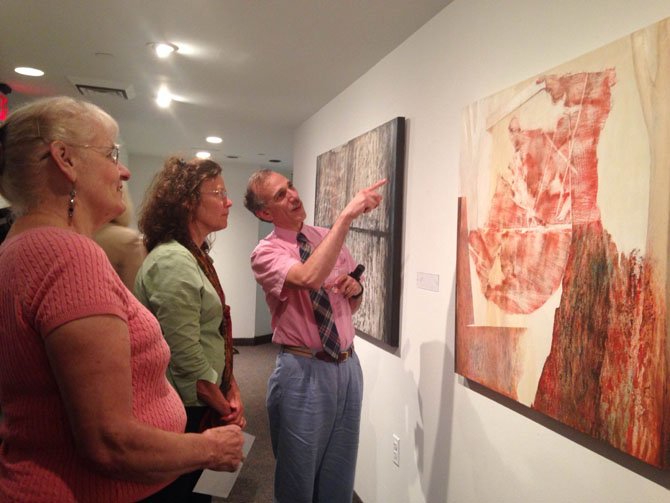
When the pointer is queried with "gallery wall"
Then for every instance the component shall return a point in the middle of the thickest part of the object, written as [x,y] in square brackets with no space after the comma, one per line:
[231,247]
[459,443]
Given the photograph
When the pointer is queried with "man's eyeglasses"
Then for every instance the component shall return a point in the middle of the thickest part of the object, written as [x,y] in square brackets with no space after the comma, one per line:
[220,193]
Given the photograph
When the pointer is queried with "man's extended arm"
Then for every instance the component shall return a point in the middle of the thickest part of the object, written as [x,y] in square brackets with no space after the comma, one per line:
[313,272]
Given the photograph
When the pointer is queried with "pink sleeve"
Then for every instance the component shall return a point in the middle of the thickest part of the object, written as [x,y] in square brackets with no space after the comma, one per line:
[71,279]
[271,265]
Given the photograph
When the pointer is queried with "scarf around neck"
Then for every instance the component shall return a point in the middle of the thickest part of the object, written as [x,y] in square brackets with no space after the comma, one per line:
[226,328]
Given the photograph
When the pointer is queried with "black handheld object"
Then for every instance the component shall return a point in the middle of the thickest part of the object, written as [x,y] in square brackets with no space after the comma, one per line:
[356,273]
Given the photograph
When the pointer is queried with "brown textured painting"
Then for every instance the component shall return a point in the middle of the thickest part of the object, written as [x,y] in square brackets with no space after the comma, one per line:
[562,268]
[375,238]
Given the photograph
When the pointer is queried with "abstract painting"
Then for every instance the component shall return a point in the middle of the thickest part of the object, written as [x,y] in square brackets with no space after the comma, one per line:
[562,261]
[374,238]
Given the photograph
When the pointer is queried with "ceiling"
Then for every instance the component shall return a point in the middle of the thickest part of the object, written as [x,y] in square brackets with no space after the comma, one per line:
[249,71]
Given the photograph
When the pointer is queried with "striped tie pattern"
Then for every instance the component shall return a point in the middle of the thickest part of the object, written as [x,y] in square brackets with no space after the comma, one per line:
[323,312]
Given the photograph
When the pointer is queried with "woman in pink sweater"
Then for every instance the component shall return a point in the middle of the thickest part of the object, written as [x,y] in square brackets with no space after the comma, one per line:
[88,412]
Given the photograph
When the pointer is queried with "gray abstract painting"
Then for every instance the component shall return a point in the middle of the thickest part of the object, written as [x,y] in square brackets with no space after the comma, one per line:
[375,238]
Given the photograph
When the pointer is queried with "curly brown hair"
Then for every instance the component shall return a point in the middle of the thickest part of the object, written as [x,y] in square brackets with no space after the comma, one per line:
[169,203]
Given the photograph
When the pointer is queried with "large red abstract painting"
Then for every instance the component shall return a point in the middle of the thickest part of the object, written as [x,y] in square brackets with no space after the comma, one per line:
[564,219]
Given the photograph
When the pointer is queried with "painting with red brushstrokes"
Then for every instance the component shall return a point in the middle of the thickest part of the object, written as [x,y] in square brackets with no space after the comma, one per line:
[562,261]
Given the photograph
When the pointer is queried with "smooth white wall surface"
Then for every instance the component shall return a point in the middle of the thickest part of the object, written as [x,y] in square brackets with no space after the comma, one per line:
[231,248]
[263,317]
[456,444]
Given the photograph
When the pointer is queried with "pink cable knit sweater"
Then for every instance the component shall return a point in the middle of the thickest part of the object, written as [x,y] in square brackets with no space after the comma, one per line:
[51,276]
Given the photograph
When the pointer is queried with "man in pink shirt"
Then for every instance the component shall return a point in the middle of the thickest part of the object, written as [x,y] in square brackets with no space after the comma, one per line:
[315,393]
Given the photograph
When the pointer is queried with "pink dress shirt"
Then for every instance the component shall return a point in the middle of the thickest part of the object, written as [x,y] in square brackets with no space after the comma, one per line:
[293,321]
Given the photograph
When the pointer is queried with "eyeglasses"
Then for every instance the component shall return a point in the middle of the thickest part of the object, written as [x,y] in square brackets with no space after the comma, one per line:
[220,193]
[113,150]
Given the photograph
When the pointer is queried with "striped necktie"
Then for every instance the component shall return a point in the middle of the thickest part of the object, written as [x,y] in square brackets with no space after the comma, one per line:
[323,312]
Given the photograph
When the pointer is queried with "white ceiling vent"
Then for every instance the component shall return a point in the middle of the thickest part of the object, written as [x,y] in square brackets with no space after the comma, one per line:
[92,88]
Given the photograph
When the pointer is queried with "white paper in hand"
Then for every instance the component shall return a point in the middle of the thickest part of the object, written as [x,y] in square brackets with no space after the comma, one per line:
[221,483]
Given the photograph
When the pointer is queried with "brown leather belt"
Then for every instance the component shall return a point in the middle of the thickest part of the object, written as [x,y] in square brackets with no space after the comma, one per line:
[319,355]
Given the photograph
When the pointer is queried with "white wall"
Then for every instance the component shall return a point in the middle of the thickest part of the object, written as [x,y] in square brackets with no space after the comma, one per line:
[263,317]
[231,248]
[459,445]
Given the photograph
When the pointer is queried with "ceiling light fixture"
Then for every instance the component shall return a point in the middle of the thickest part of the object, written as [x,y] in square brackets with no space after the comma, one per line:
[164,49]
[30,72]
[203,154]
[214,139]
[164,97]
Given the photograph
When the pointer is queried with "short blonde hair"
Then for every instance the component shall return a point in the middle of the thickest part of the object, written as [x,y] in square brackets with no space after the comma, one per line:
[24,139]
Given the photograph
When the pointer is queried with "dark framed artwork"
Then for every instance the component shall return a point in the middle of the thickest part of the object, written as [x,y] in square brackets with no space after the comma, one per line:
[375,238]
[563,239]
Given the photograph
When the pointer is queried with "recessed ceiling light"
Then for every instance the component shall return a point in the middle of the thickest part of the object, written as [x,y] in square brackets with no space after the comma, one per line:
[203,155]
[274,160]
[30,72]
[213,139]
[164,97]
[164,49]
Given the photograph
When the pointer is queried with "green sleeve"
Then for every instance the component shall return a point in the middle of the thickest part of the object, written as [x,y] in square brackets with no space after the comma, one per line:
[171,285]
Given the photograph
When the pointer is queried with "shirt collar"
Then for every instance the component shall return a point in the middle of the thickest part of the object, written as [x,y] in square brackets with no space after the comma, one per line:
[287,234]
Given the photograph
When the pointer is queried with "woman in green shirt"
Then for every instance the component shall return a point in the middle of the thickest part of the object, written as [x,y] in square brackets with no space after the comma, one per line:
[177,282]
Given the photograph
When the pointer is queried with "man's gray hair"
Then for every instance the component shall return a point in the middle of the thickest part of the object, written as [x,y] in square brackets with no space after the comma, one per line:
[252,201]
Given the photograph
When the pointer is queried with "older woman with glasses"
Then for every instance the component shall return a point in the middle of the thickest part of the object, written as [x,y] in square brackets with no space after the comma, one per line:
[178,283]
[88,412]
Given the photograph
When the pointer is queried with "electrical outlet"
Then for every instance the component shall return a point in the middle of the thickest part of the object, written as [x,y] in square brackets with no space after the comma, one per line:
[396,450]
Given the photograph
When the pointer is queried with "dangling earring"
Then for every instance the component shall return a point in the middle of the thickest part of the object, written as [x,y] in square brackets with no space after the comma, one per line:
[70,206]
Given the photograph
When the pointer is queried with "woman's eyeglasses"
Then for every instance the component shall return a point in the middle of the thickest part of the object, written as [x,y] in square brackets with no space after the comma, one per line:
[113,150]
[220,193]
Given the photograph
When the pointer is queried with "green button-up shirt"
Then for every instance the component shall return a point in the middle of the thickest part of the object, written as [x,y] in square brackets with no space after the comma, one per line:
[174,288]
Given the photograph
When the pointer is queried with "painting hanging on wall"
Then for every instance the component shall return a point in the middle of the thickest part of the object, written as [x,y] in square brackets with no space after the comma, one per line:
[375,238]
[562,265]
